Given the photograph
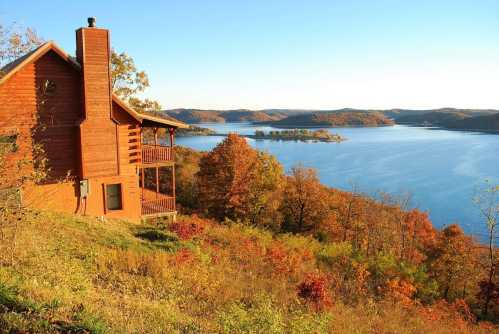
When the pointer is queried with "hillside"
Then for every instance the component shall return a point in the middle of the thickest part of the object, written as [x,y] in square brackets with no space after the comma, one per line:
[433,118]
[483,123]
[396,114]
[70,274]
[298,116]
[256,251]
[460,120]
[221,116]
[335,119]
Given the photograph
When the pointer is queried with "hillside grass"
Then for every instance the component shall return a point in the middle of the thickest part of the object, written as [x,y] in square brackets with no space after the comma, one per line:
[67,274]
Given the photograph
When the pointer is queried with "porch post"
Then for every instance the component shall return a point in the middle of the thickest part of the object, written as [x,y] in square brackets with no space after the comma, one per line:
[172,132]
[173,187]
[143,186]
[172,138]
[141,168]
[157,181]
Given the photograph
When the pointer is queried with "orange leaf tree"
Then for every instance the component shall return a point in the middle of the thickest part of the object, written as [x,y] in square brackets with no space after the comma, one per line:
[237,182]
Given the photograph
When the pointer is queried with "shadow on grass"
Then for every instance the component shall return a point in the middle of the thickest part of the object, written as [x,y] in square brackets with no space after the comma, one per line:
[23,316]
[159,238]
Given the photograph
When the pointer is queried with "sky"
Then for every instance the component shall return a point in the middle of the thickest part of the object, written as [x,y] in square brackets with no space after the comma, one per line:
[293,54]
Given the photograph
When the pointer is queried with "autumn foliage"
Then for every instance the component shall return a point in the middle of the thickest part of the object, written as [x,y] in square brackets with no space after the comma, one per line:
[314,290]
[372,247]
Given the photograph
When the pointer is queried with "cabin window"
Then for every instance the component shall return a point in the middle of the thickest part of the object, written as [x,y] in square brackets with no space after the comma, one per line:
[49,87]
[8,143]
[113,197]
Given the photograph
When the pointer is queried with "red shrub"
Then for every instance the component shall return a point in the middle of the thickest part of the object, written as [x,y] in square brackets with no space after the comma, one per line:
[187,229]
[314,290]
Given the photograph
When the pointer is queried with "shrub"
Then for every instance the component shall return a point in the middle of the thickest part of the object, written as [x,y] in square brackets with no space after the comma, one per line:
[188,228]
[314,290]
[10,302]
[156,235]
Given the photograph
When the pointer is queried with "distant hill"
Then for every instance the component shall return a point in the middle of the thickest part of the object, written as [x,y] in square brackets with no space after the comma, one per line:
[334,119]
[398,114]
[433,118]
[482,123]
[222,116]
[461,119]
[195,116]
[445,117]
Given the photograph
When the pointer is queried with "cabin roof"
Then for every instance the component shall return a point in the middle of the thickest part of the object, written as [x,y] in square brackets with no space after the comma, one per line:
[7,71]
[147,119]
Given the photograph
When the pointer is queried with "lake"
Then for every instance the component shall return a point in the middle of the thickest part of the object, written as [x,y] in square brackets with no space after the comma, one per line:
[441,169]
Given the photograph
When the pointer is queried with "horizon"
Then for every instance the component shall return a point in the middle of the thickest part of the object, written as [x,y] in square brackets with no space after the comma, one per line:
[284,55]
[336,109]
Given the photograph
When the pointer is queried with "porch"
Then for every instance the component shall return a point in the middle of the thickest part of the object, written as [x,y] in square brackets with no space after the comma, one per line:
[157,172]
[156,154]
[154,204]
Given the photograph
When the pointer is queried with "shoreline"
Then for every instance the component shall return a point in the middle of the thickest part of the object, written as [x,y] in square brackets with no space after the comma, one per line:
[441,127]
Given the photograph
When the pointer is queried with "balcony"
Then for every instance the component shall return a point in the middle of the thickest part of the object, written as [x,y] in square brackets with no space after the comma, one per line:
[156,204]
[156,154]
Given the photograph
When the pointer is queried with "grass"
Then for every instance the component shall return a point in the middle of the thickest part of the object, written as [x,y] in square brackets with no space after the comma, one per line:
[70,274]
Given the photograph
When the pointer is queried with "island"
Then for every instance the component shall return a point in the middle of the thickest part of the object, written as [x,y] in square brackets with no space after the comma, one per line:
[299,134]
[333,119]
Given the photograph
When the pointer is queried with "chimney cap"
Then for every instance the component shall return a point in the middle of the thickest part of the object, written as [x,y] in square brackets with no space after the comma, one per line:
[91,22]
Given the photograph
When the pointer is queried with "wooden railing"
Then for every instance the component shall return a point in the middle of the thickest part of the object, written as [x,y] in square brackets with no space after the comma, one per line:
[156,203]
[156,153]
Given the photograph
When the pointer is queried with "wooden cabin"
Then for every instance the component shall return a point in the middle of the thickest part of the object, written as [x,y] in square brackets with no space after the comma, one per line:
[103,158]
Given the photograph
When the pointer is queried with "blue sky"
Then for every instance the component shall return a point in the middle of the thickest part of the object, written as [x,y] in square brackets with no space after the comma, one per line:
[294,54]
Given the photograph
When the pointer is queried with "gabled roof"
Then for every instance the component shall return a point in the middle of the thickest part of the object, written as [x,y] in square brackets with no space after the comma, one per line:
[7,71]
[13,67]
[145,117]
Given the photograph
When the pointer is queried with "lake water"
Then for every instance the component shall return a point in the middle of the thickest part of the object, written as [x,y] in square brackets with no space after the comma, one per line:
[441,169]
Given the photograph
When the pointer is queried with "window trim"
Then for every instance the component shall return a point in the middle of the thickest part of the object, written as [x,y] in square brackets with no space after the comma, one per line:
[122,198]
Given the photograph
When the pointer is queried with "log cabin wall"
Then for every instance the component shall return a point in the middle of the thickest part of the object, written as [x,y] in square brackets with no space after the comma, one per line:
[98,131]
[130,155]
[42,104]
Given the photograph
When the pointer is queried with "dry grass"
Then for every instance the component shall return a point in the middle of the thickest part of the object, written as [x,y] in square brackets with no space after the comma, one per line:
[83,274]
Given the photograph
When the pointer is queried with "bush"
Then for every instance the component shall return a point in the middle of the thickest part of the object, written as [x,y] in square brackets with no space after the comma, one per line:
[9,302]
[188,228]
[156,235]
[314,290]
